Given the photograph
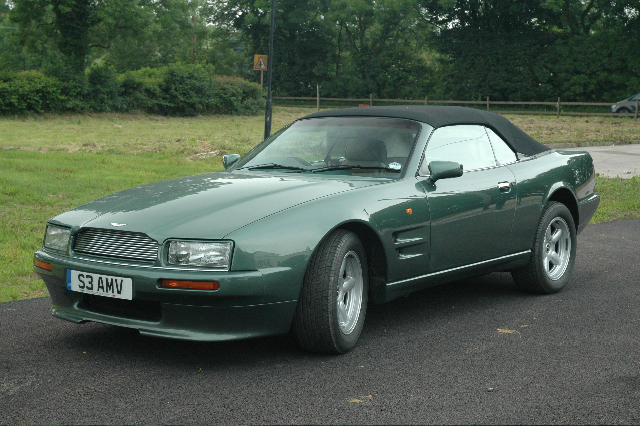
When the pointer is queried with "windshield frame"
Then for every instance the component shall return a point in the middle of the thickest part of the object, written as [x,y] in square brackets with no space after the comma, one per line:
[251,154]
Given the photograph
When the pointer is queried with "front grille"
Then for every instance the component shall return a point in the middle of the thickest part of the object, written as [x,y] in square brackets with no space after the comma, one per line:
[119,244]
[133,309]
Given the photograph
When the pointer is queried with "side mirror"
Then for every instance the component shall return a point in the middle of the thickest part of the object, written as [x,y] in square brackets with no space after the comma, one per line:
[229,160]
[444,170]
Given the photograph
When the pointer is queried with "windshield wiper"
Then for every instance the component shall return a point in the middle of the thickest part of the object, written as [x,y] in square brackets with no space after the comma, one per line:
[345,167]
[274,166]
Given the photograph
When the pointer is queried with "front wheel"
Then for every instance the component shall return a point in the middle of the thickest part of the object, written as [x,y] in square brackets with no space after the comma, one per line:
[553,253]
[333,301]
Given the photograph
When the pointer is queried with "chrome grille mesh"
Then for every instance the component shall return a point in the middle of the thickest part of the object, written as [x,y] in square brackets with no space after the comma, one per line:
[120,244]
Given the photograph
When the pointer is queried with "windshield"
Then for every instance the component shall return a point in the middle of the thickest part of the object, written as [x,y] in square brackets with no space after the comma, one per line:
[367,145]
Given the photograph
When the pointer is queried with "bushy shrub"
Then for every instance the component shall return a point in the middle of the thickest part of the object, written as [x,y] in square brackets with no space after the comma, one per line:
[103,89]
[186,90]
[172,90]
[31,91]
[140,89]
[234,95]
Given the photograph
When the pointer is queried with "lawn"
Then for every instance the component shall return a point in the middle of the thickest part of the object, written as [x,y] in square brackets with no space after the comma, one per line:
[53,163]
[140,133]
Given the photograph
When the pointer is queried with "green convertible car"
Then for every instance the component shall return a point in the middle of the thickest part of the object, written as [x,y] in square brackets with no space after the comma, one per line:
[337,210]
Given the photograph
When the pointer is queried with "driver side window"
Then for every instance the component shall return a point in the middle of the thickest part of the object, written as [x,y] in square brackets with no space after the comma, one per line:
[464,144]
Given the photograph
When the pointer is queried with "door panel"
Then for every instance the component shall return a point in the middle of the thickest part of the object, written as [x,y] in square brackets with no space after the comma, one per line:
[471,218]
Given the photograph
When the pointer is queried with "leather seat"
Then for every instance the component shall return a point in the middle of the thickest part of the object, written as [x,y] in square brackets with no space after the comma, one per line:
[366,152]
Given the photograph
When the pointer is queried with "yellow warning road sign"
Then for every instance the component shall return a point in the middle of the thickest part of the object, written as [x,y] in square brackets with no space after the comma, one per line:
[260,62]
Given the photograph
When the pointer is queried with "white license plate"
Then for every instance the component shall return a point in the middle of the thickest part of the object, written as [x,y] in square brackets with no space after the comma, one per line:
[100,285]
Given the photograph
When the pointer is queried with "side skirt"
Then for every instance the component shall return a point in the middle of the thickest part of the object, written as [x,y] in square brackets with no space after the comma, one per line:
[400,288]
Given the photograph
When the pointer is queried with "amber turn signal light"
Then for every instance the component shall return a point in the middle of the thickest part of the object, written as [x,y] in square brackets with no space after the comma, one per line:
[191,285]
[42,265]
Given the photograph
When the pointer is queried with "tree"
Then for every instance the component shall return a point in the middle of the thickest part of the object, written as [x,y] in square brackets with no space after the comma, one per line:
[303,38]
[491,47]
[351,48]
[538,49]
[380,48]
[67,22]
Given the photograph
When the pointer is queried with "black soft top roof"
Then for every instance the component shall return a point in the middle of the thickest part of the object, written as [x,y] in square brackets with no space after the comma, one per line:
[440,116]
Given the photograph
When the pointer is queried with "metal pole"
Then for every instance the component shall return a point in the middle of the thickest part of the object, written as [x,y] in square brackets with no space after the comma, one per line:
[558,108]
[267,113]
[636,113]
[261,77]
[370,99]
[318,96]
[426,100]
[487,103]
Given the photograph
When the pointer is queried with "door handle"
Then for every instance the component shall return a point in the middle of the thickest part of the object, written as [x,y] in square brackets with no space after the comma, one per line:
[504,186]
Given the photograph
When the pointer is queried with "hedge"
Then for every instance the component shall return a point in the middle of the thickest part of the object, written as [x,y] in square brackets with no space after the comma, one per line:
[179,89]
[31,91]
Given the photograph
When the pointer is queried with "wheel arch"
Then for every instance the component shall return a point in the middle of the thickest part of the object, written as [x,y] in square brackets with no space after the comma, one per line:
[376,259]
[564,195]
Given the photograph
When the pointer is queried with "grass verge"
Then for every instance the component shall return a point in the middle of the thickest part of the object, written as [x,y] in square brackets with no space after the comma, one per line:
[36,186]
[579,131]
[137,133]
[619,199]
[52,164]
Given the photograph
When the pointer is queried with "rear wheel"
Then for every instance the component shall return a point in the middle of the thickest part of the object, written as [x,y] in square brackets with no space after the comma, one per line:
[333,301]
[553,252]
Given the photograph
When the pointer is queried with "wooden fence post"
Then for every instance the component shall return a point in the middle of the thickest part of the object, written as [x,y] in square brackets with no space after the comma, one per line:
[487,103]
[318,96]
[558,108]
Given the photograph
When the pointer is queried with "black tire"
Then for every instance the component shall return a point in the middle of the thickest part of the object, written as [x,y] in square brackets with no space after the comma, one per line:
[535,277]
[316,326]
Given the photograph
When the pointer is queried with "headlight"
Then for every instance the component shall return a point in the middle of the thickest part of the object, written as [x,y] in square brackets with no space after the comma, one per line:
[201,253]
[57,238]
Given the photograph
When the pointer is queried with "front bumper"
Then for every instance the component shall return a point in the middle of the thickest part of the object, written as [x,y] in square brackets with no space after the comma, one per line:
[586,208]
[241,308]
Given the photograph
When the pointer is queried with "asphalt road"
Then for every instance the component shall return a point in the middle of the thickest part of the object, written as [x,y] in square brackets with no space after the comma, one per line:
[475,351]
[615,160]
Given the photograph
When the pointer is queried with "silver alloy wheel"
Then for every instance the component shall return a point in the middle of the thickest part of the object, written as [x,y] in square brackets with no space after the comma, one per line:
[349,300]
[556,249]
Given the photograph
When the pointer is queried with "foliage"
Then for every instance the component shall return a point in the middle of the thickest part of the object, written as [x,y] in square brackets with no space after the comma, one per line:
[140,89]
[580,50]
[178,89]
[31,91]
[103,89]
[233,95]
[66,23]
[186,90]
[538,49]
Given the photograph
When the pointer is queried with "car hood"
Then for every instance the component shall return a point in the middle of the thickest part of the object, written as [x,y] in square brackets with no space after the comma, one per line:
[206,206]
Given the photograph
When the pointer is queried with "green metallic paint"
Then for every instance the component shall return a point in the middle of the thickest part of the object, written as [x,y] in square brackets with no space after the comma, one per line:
[229,160]
[428,232]
[444,169]
[207,206]
[471,218]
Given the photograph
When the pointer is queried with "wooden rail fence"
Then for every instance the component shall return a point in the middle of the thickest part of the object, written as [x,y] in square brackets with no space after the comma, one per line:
[558,107]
